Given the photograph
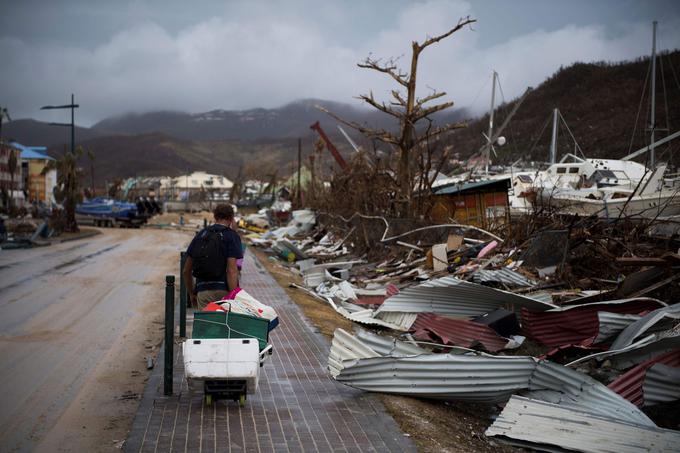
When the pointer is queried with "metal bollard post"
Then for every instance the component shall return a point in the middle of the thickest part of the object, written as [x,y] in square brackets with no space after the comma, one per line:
[169,333]
[182,297]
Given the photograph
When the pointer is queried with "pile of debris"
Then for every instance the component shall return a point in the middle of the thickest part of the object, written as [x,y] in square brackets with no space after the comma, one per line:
[23,233]
[569,325]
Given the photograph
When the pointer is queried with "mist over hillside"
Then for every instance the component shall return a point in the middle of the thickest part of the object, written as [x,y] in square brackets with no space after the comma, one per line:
[599,101]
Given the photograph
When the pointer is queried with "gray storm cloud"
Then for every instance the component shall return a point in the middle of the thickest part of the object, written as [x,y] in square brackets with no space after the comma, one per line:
[258,60]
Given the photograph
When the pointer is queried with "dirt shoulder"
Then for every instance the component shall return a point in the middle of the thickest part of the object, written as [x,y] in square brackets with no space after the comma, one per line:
[100,416]
[434,426]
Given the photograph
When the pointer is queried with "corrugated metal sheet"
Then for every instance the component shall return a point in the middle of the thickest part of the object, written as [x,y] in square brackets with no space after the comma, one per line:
[638,352]
[441,376]
[453,297]
[404,321]
[544,426]
[630,384]
[558,384]
[639,327]
[366,317]
[577,323]
[370,300]
[345,347]
[661,385]
[479,378]
[504,275]
[611,324]
[384,345]
[457,332]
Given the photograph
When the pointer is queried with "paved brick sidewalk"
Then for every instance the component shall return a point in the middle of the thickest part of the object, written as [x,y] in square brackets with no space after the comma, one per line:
[297,406]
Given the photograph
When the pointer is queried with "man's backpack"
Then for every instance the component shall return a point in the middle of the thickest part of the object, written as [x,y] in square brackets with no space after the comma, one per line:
[208,264]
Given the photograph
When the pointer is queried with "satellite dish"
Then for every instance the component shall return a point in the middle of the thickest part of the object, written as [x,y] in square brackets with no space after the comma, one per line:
[500,141]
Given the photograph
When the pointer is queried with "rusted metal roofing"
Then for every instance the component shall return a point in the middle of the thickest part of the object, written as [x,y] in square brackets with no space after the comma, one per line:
[540,425]
[630,384]
[577,323]
[457,332]
[370,300]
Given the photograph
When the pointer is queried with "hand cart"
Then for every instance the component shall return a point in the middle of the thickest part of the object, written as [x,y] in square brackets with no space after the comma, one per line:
[224,356]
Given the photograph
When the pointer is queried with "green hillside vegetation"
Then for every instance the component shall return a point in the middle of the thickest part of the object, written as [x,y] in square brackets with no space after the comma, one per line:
[600,103]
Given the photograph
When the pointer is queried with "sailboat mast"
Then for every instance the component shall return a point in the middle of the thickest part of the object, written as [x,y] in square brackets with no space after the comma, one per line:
[553,140]
[653,98]
[491,111]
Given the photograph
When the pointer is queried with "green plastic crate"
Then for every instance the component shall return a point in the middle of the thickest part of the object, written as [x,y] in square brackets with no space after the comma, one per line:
[215,324]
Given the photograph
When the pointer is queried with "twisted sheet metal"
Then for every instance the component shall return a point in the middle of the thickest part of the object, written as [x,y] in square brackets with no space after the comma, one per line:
[504,275]
[661,385]
[473,378]
[441,376]
[404,321]
[558,384]
[345,347]
[457,332]
[384,345]
[578,323]
[644,349]
[545,426]
[611,324]
[453,297]
[630,384]
[647,322]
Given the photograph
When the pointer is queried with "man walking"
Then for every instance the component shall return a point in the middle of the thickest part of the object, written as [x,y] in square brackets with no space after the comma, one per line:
[211,258]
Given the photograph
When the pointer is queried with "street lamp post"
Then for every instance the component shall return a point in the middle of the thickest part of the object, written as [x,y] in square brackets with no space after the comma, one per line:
[72,125]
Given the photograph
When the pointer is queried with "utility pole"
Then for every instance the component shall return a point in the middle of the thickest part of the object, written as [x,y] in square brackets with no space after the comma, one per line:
[653,95]
[72,125]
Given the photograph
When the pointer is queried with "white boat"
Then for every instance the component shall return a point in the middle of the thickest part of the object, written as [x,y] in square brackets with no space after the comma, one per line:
[607,188]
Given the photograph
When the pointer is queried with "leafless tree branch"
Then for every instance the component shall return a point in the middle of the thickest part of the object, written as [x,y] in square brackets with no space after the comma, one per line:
[390,69]
[379,134]
[380,106]
[461,23]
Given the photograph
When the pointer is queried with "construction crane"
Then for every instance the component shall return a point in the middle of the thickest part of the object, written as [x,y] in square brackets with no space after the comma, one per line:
[334,151]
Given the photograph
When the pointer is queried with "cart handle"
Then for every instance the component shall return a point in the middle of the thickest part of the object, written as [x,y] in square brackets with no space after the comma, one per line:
[264,351]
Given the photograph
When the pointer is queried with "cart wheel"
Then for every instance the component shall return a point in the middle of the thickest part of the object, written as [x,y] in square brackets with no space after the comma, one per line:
[208,400]
[242,400]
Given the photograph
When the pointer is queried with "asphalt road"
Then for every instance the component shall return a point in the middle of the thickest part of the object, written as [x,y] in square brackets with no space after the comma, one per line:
[74,318]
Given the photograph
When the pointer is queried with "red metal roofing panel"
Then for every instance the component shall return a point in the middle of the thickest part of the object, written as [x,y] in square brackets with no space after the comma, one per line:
[457,332]
[390,290]
[370,300]
[629,384]
[578,324]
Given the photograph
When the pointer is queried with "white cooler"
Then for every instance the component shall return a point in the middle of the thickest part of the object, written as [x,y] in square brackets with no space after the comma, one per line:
[215,360]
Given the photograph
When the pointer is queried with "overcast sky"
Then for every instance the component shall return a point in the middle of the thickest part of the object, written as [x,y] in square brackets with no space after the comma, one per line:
[140,55]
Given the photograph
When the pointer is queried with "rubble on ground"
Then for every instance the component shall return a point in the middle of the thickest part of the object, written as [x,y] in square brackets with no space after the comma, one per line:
[568,316]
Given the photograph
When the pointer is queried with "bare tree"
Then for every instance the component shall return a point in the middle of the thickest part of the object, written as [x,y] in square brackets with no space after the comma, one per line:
[408,110]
